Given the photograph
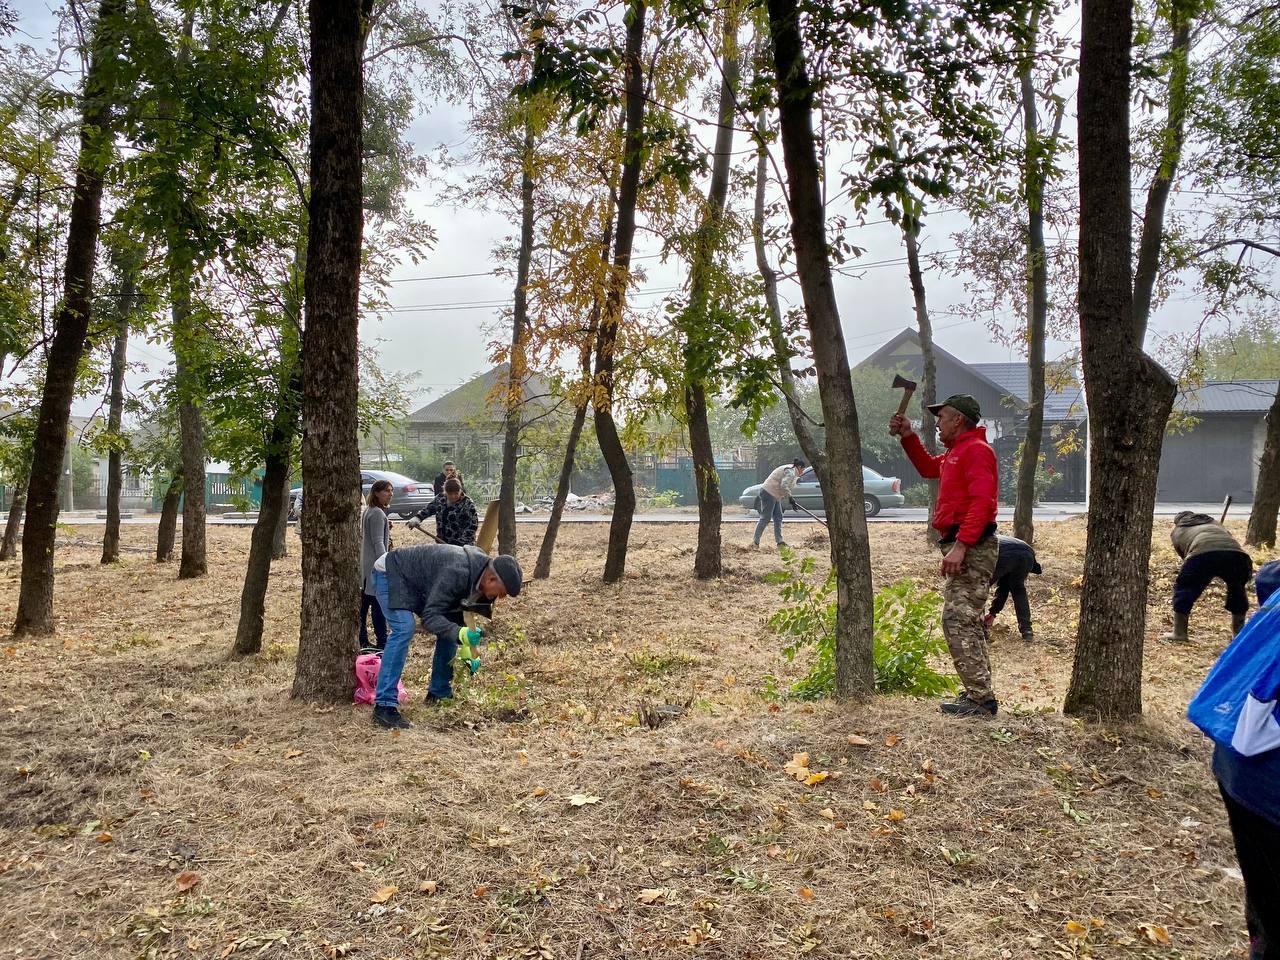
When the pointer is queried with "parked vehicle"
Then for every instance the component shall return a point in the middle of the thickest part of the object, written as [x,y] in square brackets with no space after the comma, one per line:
[878,492]
[408,496]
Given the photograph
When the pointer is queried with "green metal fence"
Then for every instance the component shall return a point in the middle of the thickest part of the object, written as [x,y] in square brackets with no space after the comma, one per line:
[679,477]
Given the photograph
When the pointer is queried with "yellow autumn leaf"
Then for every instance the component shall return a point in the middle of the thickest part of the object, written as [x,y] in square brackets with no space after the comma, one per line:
[1155,933]
[797,766]
[815,778]
[857,741]
[429,887]
[290,754]
[653,895]
[806,893]
[539,791]
[384,894]
[896,814]
[1075,929]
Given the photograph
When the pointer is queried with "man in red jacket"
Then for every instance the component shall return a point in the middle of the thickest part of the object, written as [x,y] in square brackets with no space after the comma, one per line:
[965,518]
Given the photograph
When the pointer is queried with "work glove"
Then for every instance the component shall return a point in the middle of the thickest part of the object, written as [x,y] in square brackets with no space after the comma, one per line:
[468,637]
[415,523]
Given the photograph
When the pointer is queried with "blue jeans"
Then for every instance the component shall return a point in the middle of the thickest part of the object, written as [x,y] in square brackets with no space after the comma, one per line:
[402,625]
[769,508]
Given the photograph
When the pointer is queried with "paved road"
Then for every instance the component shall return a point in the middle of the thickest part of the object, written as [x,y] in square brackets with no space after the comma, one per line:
[1047,512]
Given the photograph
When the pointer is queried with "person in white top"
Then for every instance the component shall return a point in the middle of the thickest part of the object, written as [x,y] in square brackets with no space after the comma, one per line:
[774,493]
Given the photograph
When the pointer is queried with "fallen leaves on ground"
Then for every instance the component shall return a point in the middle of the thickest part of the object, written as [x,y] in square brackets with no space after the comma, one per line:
[581,799]
[1154,933]
[652,896]
[384,894]
[186,880]
[429,887]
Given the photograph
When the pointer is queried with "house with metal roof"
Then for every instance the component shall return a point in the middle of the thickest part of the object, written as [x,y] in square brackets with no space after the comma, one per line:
[467,423]
[1212,450]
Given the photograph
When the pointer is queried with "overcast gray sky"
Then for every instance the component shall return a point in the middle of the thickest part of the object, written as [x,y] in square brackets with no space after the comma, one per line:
[440,324]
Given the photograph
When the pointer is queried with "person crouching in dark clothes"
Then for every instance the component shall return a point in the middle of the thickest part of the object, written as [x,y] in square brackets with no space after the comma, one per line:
[1017,559]
[1208,551]
[456,517]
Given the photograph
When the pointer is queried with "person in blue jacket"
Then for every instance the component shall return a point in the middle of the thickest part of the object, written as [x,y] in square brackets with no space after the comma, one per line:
[1248,770]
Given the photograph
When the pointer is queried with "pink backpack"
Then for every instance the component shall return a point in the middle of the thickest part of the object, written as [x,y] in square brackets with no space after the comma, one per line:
[367,666]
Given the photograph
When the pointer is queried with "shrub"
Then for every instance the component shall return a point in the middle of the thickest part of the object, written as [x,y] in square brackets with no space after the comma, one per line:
[907,633]
[917,495]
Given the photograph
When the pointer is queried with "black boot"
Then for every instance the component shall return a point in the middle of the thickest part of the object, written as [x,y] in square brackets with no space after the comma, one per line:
[962,706]
[1179,632]
[1237,621]
[389,719]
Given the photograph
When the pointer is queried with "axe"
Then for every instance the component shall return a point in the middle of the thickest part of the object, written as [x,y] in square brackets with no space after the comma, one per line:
[908,388]
[1226,505]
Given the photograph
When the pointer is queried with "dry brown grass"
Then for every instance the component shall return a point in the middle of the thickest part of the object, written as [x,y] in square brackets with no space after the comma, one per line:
[135,749]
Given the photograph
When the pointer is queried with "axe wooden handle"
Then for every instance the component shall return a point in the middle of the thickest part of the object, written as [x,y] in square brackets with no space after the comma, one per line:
[906,400]
[1226,505]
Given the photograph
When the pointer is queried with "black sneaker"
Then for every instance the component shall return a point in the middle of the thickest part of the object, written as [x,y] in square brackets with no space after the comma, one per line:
[1029,637]
[389,719]
[432,700]
[962,706]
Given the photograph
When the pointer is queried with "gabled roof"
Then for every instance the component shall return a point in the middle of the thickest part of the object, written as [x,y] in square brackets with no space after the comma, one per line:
[473,401]
[1066,403]
[1229,396]
[889,356]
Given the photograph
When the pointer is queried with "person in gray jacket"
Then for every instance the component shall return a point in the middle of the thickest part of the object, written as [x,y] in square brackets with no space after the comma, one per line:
[1208,551]
[375,540]
[438,582]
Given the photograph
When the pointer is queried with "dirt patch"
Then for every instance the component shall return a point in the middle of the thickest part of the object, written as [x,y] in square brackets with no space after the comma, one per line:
[537,818]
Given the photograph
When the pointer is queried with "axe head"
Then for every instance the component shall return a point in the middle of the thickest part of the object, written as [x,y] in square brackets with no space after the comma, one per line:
[900,381]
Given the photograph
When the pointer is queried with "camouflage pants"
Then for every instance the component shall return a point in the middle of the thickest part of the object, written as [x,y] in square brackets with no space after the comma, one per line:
[964,602]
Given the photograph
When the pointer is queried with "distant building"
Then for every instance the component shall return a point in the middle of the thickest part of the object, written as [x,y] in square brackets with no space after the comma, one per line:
[1216,456]
[467,424]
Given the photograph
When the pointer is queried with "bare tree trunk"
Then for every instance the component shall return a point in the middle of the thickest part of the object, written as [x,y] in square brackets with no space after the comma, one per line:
[115,459]
[9,548]
[1171,137]
[191,428]
[1266,495]
[279,542]
[840,473]
[782,352]
[1037,301]
[928,362]
[516,361]
[624,491]
[542,568]
[1130,396]
[70,330]
[253,596]
[707,560]
[330,448]
[167,531]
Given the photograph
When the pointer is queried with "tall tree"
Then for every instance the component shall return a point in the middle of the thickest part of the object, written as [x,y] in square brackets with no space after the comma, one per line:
[1261,531]
[115,413]
[615,456]
[697,364]
[840,472]
[330,376]
[71,322]
[1037,156]
[1130,395]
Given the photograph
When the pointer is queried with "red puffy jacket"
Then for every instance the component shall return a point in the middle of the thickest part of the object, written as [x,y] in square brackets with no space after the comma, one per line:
[968,483]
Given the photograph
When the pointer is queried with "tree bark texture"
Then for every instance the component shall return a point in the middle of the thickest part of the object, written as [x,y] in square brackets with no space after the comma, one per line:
[1037,303]
[167,531]
[253,595]
[782,352]
[1171,137]
[187,363]
[542,567]
[707,559]
[330,451]
[1130,396]
[70,330]
[615,456]
[513,402]
[1266,495]
[9,548]
[280,542]
[842,482]
[928,361]
[115,412]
